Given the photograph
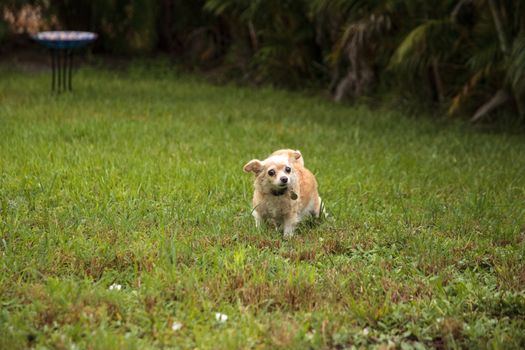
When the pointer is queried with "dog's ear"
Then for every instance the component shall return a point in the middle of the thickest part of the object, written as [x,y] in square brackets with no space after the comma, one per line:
[254,165]
[297,156]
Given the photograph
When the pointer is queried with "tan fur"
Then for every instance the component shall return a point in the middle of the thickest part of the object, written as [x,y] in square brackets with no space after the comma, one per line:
[294,156]
[283,211]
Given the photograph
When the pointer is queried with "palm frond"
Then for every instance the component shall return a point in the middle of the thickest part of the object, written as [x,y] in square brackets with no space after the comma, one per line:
[430,39]
[485,56]
[357,34]
[516,66]
[468,88]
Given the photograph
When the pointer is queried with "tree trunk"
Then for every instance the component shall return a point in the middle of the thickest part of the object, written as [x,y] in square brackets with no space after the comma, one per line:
[504,46]
[499,98]
[166,35]
[253,37]
[436,80]
[348,83]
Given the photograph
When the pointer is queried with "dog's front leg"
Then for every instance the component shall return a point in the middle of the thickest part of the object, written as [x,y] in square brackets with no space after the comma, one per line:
[258,219]
[289,227]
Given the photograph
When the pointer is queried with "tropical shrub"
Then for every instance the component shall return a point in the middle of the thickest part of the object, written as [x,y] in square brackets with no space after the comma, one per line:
[467,56]
[123,25]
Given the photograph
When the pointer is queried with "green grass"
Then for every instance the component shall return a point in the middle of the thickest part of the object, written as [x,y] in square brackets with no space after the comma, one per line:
[136,179]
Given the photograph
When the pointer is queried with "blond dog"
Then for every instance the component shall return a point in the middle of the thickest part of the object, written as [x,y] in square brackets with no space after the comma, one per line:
[285,191]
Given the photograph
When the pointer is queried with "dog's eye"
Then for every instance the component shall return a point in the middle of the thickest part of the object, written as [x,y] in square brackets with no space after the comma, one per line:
[271,172]
[288,169]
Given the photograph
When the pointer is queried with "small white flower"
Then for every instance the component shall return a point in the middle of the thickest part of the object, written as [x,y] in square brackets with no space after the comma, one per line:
[176,326]
[221,317]
[115,286]
[366,331]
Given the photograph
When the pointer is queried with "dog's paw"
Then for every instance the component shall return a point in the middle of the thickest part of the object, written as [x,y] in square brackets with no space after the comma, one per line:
[289,228]
[288,235]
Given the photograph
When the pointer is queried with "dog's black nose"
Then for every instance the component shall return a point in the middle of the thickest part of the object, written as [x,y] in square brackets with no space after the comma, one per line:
[284,179]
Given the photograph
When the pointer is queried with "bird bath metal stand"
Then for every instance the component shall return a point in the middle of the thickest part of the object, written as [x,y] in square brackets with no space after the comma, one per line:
[61,45]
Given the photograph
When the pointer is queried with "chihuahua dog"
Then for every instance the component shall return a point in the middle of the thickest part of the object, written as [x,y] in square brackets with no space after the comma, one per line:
[285,191]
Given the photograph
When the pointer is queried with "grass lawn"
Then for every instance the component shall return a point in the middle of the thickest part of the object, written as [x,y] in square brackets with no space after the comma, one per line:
[136,179]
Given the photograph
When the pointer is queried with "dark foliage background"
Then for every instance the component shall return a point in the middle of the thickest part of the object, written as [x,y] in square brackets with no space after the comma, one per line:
[466,57]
